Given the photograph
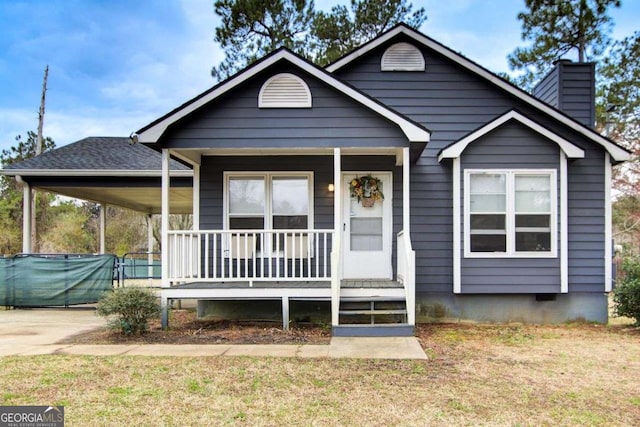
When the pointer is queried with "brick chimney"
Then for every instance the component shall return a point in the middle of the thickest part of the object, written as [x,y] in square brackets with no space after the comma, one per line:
[570,87]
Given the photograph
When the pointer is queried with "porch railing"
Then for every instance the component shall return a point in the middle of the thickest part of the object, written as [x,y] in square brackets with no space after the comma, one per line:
[246,255]
[406,258]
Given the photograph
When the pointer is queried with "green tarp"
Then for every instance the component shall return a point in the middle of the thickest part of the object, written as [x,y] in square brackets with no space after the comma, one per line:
[33,281]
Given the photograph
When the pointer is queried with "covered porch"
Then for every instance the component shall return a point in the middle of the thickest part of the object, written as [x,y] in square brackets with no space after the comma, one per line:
[339,251]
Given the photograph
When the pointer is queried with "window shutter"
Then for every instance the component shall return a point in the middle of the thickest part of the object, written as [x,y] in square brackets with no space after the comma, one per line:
[402,57]
[284,91]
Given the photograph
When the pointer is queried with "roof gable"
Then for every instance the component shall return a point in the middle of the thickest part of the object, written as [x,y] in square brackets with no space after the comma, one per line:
[456,149]
[152,132]
[617,153]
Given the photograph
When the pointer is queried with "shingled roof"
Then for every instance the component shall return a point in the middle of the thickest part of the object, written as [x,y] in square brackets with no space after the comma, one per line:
[98,153]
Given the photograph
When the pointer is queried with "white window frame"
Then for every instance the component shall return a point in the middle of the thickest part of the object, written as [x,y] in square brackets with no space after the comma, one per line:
[268,179]
[511,214]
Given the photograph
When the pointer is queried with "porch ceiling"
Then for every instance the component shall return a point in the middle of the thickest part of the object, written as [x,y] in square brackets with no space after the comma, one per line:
[140,199]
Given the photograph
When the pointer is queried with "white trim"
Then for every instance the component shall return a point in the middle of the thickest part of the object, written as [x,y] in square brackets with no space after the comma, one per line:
[617,153]
[150,241]
[164,219]
[297,151]
[26,218]
[406,194]
[511,213]
[456,149]
[608,232]
[103,227]
[336,249]
[303,294]
[196,197]
[564,224]
[413,132]
[457,272]
[290,103]
[94,172]
[386,66]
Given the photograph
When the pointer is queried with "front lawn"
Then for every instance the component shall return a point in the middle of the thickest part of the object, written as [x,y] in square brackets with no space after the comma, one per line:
[476,375]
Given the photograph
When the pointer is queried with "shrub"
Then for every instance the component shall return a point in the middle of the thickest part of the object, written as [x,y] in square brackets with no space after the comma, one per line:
[132,308]
[626,296]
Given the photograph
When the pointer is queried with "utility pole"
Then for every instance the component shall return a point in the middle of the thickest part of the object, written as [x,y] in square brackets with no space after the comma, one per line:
[39,146]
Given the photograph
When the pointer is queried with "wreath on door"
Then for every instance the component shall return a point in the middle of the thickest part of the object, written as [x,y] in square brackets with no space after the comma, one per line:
[366,189]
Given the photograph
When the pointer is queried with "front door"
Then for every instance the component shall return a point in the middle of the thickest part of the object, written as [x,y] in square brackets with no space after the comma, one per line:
[366,238]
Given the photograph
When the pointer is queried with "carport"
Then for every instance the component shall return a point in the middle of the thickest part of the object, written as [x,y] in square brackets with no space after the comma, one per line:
[108,171]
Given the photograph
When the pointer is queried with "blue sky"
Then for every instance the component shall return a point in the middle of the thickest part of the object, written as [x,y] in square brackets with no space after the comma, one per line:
[116,65]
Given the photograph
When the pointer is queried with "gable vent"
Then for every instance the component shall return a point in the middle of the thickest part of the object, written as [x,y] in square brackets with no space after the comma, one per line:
[284,91]
[402,57]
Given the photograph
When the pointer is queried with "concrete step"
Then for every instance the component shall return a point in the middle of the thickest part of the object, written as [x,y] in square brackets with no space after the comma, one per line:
[380,330]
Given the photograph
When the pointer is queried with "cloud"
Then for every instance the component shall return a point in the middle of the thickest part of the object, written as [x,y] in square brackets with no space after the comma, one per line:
[69,126]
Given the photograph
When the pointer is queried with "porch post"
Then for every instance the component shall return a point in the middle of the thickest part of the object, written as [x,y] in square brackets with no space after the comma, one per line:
[336,252]
[196,197]
[165,234]
[406,212]
[285,313]
[103,227]
[150,247]
[26,218]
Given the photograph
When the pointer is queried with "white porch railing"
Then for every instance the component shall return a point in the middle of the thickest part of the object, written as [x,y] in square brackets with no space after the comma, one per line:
[247,255]
[406,258]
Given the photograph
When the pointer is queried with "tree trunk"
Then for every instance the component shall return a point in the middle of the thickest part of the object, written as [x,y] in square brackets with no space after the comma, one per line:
[39,145]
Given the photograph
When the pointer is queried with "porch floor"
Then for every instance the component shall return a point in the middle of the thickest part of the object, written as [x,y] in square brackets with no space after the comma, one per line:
[347,284]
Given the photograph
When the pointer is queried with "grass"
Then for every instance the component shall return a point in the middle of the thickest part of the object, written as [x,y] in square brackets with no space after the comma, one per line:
[476,375]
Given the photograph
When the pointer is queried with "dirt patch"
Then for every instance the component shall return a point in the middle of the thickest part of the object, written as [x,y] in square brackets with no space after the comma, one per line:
[436,338]
[186,328]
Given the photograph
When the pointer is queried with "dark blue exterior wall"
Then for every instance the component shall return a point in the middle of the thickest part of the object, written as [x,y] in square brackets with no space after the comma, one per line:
[570,87]
[235,121]
[512,146]
[213,168]
[452,103]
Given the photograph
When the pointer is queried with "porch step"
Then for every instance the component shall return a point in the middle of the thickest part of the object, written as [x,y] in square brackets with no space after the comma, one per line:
[380,330]
[372,312]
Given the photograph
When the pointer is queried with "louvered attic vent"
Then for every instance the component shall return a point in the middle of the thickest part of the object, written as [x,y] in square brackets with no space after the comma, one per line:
[402,57]
[284,91]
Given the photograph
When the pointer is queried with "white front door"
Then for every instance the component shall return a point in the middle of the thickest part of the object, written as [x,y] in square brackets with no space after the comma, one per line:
[366,238]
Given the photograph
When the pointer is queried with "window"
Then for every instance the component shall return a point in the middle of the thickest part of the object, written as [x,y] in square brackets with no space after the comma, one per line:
[510,213]
[269,201]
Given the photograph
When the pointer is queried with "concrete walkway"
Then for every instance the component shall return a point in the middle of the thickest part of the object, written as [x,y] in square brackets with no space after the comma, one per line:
[35,332]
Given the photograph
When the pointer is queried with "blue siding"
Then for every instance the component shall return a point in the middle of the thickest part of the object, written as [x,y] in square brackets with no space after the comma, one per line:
[235,121]
[512,146]
[213,167]
[570,88]
[452,103]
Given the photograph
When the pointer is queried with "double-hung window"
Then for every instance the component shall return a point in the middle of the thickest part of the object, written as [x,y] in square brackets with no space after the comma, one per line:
[269,201]
[510,213]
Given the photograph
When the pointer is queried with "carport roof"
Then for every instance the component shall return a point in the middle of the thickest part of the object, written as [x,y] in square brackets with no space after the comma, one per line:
[108,170]
[96,153]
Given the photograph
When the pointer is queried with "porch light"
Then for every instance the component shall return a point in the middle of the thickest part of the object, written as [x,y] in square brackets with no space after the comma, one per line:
[331,187]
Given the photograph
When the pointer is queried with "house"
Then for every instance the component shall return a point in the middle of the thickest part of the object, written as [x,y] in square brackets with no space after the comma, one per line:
[495,204]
